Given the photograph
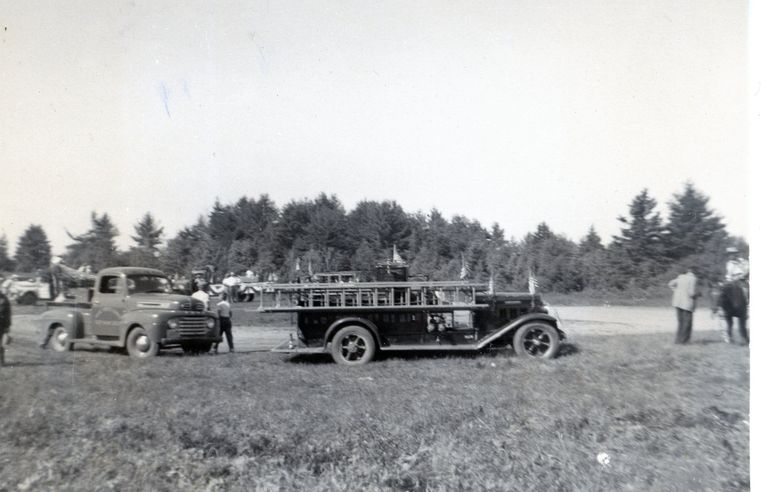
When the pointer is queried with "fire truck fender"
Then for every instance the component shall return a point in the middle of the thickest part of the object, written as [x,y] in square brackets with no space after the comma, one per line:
[510,328]
[341,323]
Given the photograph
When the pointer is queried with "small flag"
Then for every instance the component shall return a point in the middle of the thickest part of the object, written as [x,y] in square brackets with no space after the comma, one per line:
[533,284]
[464,269]
[396,258]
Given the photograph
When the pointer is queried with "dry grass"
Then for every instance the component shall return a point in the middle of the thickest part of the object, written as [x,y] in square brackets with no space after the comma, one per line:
[669,417]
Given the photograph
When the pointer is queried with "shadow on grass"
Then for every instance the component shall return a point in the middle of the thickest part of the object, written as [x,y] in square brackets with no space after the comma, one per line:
[36,364]
[566,350]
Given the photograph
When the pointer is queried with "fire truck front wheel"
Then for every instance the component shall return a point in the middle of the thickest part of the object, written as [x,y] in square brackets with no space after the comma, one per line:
[537,340]
[352,346]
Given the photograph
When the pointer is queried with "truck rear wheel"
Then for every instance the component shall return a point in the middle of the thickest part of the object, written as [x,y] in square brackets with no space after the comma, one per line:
[352,346]
[28,299]
[537,340]
[140,345]
[60,339]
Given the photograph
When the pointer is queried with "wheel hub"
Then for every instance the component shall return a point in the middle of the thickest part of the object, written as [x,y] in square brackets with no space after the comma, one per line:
[142,343]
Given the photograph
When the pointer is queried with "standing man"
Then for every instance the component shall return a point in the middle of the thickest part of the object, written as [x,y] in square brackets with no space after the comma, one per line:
[231,282]
[737,270]
[224,310]
[685,290]
[5,325]
[201,295]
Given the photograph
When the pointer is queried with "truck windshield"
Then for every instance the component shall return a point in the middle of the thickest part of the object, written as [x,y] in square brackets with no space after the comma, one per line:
[148,284]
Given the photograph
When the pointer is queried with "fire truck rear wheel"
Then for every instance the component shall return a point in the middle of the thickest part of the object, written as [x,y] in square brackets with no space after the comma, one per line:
[353,346]
[537,340]
[140,345]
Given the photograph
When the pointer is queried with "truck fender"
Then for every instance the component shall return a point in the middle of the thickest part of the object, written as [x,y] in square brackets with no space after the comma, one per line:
[70,319]
[150,323]
[513,325]
[341,323]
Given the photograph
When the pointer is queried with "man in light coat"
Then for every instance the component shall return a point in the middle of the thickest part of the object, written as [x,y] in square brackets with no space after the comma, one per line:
[685,290]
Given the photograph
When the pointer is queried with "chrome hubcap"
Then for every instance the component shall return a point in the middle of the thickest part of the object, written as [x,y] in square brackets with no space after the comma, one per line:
[142,343]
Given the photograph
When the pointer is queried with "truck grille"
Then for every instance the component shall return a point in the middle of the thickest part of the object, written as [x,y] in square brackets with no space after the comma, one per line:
[192,306]
[193,327]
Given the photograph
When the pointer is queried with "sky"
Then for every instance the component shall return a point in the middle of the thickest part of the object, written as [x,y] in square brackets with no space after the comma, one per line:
[516,112]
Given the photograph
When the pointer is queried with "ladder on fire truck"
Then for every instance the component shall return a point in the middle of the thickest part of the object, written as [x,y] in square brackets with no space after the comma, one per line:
[368,295]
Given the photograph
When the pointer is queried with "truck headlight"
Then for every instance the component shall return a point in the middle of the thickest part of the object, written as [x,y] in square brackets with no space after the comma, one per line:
[211,323]
[173,324]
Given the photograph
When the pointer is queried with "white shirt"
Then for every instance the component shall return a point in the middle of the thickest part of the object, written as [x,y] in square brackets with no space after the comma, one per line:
[202,296]
[231,281]
[685,291]
[224,309]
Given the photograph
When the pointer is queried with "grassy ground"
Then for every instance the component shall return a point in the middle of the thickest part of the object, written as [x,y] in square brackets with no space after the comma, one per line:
[669,418]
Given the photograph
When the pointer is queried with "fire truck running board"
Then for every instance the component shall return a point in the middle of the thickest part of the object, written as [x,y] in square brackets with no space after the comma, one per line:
[405,348]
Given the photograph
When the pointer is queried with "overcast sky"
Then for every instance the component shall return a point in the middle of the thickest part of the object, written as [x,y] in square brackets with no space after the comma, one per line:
[514,112]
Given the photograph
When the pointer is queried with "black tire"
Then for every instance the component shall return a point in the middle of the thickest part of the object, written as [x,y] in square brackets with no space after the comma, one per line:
[60,339]
[28,299]
[140,345]
[204,347]
[537,340]
[353,346]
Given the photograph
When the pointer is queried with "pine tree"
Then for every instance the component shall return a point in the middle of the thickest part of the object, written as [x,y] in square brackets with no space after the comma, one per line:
[33,251]
[97,246]
[148,233]
[637,254]
[692,224]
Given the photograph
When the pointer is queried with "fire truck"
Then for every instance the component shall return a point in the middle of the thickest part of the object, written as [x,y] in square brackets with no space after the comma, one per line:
[354,321]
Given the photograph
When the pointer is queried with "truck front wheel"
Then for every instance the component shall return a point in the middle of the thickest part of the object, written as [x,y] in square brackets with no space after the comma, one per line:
[537,340]
[140,345]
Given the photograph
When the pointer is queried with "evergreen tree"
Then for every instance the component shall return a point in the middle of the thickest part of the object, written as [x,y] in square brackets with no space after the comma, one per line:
[551,258]
[592,261]
[637,254]
[33,251]
[591,242]
[97,246]
[6,263]
[692,224]
[146,252]
[188,250]
[148,233]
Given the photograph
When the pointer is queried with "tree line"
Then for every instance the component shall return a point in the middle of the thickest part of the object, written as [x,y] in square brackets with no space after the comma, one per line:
[316,235]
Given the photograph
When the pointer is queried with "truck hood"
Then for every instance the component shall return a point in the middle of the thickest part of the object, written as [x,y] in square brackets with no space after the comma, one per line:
[166,301]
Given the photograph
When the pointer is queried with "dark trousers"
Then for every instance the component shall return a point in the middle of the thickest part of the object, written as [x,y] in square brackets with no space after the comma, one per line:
[226,328]
[684,325]
[742,328]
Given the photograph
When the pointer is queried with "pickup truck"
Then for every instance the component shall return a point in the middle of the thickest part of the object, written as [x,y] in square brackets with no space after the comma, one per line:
[132,308]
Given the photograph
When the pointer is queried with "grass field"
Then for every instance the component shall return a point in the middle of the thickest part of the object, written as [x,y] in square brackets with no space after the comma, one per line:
[668,417]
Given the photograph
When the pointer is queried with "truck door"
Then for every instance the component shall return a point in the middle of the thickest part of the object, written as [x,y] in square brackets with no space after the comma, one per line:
[108,307]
